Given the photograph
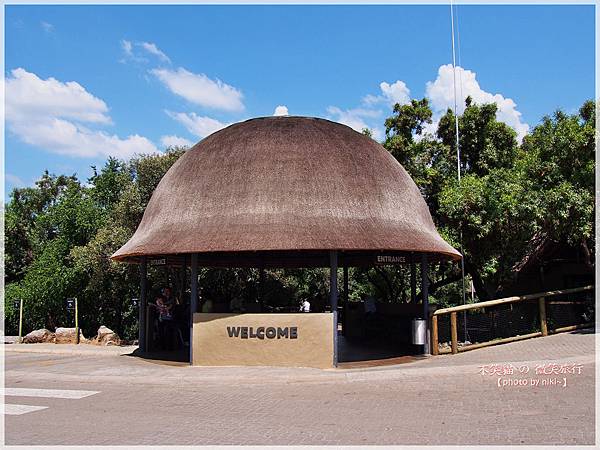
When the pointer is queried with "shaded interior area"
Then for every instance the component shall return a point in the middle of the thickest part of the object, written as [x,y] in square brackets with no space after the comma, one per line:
[369,334]
[179,357]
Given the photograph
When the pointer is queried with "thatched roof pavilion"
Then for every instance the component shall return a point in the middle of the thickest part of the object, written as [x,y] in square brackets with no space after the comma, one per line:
[284,191]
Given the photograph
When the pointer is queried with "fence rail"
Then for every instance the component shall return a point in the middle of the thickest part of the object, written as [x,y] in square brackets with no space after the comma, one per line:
[544,329]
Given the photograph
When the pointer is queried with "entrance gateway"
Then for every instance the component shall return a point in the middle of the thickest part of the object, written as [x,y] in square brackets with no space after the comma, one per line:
[282,192]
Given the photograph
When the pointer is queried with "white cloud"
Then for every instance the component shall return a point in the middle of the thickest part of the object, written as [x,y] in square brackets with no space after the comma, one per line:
[367,115]
[355,118]
[29,96]
[391,94]
[49,114]
[441,93]
[48,27]
[68,138]
[281,110]
[127,47]
[154,50]
[200,126]
[132,52]
[200,89]
[175,141]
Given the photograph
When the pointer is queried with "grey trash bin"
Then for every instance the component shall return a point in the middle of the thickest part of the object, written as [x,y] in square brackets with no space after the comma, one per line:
[418,331]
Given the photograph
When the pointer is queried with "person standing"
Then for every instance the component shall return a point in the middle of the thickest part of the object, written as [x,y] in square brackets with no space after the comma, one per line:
[305,306]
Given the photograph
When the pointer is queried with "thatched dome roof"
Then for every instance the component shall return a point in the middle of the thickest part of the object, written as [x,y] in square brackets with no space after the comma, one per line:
[286,184]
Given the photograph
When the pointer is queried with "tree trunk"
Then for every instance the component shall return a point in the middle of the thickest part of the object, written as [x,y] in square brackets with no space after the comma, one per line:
[480,288]
[587,255]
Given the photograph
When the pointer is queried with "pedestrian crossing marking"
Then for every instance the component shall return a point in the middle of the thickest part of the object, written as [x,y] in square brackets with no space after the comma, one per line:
[48,393]
[17,410]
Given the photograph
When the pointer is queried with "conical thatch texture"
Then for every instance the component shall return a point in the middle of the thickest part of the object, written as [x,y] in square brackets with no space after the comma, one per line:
[287,184]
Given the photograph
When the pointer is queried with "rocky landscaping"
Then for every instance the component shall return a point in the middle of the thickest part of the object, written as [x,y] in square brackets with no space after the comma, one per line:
[105,336]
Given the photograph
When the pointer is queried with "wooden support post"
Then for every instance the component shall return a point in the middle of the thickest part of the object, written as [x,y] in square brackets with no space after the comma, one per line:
[333,298]
[543,322]
[261,288]
[346,298]
[193,299]
[453,333]
[425,298]
[143,306]
[413,282]
[434,336]
[183,281]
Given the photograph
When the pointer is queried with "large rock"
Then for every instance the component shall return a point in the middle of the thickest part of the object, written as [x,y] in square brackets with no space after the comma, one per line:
[68,336]
[106,336]
[39,336]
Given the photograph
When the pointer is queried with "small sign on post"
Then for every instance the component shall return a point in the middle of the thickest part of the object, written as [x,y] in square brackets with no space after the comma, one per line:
[72,306]
[19,304]
[135,302]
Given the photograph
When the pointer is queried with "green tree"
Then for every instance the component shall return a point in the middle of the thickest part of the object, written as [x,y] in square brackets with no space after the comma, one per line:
[558,159]
[508,194]
[109,184]
[26,205]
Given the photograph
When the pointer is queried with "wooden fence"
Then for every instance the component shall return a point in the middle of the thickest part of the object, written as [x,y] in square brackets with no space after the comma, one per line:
[541,297]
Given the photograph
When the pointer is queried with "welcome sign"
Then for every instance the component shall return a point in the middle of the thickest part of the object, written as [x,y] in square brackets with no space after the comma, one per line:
[301,340]
[262,332]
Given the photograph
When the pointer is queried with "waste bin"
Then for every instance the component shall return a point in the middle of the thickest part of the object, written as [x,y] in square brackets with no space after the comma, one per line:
[418,331]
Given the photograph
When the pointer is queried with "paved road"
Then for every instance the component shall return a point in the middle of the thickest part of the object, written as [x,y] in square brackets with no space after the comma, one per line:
[108,399]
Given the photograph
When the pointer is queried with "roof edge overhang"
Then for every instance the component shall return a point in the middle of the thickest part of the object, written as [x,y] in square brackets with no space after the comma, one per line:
[289,258]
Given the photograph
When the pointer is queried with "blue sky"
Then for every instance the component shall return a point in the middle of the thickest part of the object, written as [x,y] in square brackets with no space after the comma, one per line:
[86,82]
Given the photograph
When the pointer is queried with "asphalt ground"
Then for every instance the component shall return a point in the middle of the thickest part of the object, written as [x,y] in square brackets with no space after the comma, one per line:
[465,399]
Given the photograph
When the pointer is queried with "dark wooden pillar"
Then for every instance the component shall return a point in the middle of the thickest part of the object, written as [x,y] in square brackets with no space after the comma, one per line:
[193,299]
[183,281]
[425,296]
[346,298]
[333,298]
[261,288]
[143,305]
[413,282]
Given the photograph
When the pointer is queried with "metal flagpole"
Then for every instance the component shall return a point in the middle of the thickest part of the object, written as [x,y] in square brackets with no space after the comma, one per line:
[462,260]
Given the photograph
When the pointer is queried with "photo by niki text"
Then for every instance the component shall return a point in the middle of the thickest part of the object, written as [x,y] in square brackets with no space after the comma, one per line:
[538,375]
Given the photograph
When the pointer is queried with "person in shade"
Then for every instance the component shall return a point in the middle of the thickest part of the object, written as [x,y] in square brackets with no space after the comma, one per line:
[305,306]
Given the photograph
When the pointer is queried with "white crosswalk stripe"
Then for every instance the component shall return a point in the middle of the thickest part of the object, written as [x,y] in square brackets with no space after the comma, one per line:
[48,393]
[16,410]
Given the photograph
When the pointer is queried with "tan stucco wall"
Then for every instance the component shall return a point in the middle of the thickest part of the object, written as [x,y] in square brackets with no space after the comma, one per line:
[313,346]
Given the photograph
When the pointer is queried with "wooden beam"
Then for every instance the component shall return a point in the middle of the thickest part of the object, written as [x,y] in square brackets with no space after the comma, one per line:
[573,327]
[500,341]
[501,301]
[518,338]
[543,323]
[434,336]
[453,333]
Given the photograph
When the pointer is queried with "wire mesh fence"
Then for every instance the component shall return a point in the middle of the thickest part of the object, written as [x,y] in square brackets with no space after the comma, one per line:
[519,318]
